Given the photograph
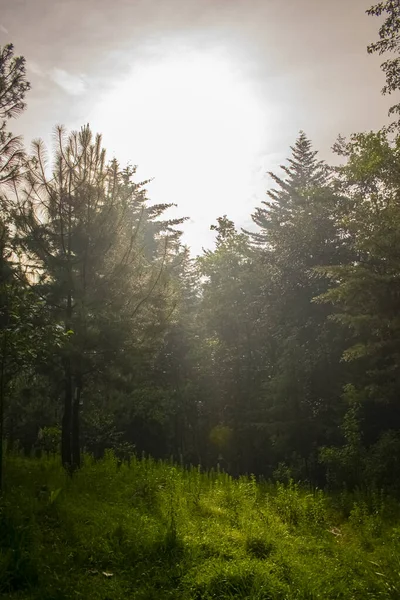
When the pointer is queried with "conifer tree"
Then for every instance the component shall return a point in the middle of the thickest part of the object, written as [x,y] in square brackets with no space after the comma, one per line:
[100,257]
[303,175]
[298,233]
[365,289]
[13,87]
[235,333]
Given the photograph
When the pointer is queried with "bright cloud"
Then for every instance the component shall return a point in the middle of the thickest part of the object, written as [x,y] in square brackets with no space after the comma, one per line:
[74,85]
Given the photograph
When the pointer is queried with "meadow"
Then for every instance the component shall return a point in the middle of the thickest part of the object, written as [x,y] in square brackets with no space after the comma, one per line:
[152,530]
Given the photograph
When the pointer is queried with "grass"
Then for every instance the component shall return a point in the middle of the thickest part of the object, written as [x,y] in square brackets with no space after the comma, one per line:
[151,530]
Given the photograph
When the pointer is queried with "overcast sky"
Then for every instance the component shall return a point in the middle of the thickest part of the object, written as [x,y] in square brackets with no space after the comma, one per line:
[205,96]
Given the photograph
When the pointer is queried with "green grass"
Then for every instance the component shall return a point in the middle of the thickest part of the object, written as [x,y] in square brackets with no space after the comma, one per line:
[151,530]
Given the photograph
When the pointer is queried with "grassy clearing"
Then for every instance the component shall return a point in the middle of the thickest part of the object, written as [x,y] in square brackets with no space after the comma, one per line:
[152,531]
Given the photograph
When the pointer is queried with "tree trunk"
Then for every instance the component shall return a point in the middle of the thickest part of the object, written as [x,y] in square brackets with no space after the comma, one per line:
[1,420]
[75,431]
[66,449]
[2,399]
[66,427]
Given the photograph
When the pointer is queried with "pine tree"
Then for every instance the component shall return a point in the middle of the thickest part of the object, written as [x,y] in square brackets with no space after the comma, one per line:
[100,256]
[13,87]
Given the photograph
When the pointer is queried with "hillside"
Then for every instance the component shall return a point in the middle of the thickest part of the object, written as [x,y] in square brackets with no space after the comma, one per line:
[153,530]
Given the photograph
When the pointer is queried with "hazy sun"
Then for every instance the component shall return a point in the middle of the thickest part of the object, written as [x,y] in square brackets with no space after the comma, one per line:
[190,119]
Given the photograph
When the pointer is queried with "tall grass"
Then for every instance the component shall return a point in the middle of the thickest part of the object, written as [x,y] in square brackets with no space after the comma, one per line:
[151,529]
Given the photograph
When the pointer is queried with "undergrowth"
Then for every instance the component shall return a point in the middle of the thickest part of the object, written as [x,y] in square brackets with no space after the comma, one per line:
[151,530]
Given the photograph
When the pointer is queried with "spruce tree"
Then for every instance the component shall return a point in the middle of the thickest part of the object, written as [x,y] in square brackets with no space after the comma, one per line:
[297,234]
[234,332]
[365,289]
[296,190]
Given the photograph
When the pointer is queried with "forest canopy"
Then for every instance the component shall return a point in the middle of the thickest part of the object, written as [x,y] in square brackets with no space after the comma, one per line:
[275,353]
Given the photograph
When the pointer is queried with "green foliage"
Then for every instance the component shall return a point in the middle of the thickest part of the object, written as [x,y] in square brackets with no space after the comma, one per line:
[388,42]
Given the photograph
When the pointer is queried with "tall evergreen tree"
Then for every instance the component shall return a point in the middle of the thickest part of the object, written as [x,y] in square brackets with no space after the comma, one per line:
[99,255]
[366,289]
[234,328]
[13,87]
[303,174]
[298,233]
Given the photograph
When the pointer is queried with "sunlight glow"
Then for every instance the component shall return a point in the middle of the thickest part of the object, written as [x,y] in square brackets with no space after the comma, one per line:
[189,119]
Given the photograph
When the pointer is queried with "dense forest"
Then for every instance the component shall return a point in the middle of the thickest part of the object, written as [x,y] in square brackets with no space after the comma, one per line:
[275,354]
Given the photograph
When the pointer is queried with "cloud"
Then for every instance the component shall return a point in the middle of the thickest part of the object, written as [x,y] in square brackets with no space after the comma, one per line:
[3,29]
[33,67]
[74,85]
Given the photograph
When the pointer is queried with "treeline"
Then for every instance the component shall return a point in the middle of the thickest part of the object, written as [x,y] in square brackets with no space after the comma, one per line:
[276,353]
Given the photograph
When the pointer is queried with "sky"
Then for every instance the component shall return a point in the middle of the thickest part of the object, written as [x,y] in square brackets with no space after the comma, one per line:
[204,96]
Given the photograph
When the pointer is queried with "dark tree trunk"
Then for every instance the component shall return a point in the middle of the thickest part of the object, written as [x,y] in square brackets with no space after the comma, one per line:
[66,427]
[66,449]
[2,395]
[1,420]
[75,432]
